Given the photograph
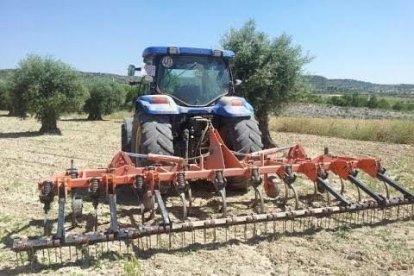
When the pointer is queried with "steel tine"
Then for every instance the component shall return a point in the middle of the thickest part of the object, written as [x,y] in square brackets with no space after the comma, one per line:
[56,257]
[48,255]
[342,186]
[214,235]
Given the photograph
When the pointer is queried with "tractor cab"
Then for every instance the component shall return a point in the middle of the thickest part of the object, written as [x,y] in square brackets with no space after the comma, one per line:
[191,76]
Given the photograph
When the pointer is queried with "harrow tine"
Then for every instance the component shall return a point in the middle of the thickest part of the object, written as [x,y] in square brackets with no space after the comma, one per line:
[190,200]
[184,202]
[258,200]
[377,197]
[295,194]
[161,206]
[222,193]
[396,186]
[342,186]
[95,218]
[60,233]
[112,210]
[329,189]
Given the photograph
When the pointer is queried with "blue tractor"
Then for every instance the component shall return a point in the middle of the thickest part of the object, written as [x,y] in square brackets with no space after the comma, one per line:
[185,90]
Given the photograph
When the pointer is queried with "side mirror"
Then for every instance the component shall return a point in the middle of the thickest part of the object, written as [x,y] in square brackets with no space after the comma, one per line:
[237,82]
[132,69]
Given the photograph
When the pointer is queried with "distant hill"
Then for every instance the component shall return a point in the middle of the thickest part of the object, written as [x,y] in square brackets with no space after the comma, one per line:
[324,85]
[318,84]
[7,73]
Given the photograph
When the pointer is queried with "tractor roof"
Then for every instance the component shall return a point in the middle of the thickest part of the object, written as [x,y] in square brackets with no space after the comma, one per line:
[186,51]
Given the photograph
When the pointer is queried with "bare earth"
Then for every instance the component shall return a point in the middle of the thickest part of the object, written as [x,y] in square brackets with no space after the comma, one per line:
[26,157]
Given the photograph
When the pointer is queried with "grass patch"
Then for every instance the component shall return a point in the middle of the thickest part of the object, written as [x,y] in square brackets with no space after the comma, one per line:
[132,266]
[392,131]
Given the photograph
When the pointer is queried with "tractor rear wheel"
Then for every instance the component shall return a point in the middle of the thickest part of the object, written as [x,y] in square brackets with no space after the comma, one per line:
[151,134]
[241,135]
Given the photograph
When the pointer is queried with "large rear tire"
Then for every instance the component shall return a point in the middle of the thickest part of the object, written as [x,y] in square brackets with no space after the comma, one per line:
[241,135]
[151,134]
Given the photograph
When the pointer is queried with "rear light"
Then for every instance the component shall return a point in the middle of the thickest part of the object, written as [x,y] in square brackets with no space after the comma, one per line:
[159,100]
[236,102]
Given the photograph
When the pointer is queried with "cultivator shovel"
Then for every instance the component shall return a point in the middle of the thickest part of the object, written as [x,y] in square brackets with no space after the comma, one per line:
[268,170]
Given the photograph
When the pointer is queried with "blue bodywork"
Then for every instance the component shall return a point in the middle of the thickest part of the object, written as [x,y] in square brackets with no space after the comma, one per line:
[223,107]
[226,106]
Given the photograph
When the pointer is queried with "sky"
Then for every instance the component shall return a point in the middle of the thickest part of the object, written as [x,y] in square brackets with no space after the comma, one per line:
[369,40]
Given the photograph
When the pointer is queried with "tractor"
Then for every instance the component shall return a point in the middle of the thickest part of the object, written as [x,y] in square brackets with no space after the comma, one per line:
[185,90]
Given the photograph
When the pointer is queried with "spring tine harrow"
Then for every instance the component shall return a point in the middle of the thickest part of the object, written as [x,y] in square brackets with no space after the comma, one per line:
[265,170]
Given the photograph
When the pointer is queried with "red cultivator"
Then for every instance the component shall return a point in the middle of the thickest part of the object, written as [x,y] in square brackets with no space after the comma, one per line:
[263,169]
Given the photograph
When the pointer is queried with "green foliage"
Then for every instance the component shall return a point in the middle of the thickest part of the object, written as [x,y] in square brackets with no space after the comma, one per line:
[372,102]
[104,98]
[46,88]
[132,266]
[270,69]
[4,94]
[132,92]
[393,131]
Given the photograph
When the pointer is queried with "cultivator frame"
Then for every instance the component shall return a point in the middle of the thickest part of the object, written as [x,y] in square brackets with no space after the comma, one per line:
[262,168]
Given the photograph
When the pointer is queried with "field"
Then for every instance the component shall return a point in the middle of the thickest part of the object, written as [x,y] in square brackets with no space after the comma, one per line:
[386,249]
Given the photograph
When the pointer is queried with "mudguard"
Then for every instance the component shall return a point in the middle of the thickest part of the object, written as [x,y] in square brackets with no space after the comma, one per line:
[227,106]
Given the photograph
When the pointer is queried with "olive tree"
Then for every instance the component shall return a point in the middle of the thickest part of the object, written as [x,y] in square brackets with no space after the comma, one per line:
[4,95]
[46,88]
[104,98]
[270,70]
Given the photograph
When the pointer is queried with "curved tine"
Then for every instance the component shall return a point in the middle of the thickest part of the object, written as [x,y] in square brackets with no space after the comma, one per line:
[286,193]
[259,195]
[47,226]
[95,217]
[342,186]
[359,194]
[222,192]
[141,208]
[190,200]
[152,215]
[296,197]
[387,191]
[315,188]
[182,196]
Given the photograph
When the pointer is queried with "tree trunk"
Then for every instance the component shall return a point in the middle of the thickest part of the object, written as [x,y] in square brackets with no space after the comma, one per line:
[49,125]
[95,117]
[264,128]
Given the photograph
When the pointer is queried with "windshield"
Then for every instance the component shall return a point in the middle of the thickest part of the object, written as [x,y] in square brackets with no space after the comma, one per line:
[193,80]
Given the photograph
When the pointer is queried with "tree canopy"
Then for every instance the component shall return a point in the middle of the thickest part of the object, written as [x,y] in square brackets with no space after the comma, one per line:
[104,98]
[46,88]
[270,70]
